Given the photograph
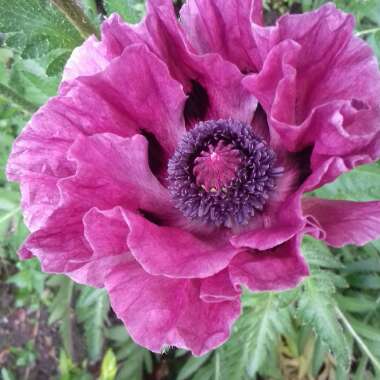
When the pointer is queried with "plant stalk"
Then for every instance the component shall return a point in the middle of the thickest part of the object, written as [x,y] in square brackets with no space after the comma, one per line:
[358,339]
[11,96]
[75,15]
[368,31]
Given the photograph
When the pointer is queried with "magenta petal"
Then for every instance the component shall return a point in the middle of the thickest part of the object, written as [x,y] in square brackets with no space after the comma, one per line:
[161,33]
[153,104]
[85,250]
[331,168]
[280,268]
[61,244]
[112,171]
[159,312]
[174,252]
[106,232]
[275,86]
[38,160]
[266,238]
[345,222]
[218,288]
[88,59]
[303,88]
[280,220]
[135,94]
[351,132]
[224,27]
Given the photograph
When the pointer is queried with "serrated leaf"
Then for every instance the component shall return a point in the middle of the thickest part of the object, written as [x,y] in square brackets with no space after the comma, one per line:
[363,266]
[30,80]
[318,255]
[108,368]
[62,300]
[92,309]
[191,366]
[364,329]
[35,26]
[316,307]
[133,360]
[360,184]
[57,62]
[357,303]
[255,335]
[367,281]
[131,10]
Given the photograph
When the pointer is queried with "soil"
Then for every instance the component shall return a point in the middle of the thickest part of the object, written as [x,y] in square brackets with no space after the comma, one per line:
[19,326]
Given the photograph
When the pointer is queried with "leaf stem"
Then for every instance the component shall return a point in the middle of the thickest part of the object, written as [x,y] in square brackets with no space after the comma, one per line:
[9,215]
[11,96]
[368,31]
[359,340]
[74,13]
[217,366]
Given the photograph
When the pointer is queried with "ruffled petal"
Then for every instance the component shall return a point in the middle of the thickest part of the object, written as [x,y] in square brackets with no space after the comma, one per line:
[123,178]
[302,87]
[106,232]
[38,160]
[88,59]
[174,252]
[111,171]
[79,250]
[219,288]
[159,311]
[280,268]
[153,104]
[134,94]
[332,168]
[212,94]
[224,27]
[275,86]
[60,246]
[282,216]
[351,132]
[345,222]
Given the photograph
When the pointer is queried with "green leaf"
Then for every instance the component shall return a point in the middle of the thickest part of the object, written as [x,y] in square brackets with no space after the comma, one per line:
[7,374]
[62,301]
[365,281]
[255,336]
[316,308]
[57,62]
[364,329]
[132,359]
[131,10]
[108,368]
[361,184]
[365,266]
[35,27]
[357,303]
[318,255]
[191,366]
[30,80]
[92,309]
[205,373]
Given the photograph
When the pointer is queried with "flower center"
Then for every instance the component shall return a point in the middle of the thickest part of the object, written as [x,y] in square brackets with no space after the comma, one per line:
[222,173]
[216,167]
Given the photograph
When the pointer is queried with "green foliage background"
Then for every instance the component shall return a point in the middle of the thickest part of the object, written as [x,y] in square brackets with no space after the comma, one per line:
[327,328]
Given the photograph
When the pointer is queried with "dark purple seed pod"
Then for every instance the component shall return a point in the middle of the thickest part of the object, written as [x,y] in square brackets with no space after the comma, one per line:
[222,173]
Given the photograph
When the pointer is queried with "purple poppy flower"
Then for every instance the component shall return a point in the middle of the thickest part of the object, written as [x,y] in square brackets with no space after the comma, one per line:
[171,167]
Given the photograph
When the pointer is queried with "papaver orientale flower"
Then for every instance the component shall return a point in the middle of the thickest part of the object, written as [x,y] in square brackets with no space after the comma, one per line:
[172,166]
